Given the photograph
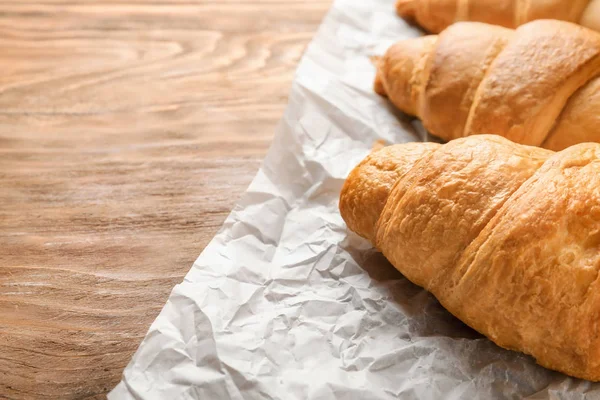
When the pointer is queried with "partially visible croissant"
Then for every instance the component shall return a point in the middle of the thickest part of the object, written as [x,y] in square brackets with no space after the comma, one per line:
[436,15]
[536,85]
[506,236]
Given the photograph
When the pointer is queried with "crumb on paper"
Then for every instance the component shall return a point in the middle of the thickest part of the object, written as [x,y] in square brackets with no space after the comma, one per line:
[375,60]
[378,145]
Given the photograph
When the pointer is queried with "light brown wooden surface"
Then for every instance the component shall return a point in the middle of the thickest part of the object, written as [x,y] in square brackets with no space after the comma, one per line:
[128,130]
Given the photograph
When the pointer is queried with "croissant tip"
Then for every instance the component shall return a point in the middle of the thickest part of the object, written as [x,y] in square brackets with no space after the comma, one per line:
[375,60]
[405,8]
[378,145]
[378,85]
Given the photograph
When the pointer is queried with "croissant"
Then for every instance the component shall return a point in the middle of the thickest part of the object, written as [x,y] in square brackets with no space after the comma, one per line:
[537,85]
[437,15]
[505,236]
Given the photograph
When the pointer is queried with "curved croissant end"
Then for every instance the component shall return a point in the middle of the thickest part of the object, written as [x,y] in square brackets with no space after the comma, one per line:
[368,186]
[406,8]
[506,236]
[400,72]
[434,16]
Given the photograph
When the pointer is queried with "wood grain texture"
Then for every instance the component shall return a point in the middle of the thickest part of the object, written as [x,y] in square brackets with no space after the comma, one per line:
[128,129]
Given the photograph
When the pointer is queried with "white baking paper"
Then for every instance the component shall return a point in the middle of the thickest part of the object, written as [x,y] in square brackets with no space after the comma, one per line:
[284,303]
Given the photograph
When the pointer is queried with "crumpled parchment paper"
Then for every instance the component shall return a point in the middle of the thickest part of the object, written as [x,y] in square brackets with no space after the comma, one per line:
[285,303]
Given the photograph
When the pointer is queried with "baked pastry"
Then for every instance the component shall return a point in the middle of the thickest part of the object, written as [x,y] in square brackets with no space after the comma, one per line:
[536,85]
[437,15]
[505,236]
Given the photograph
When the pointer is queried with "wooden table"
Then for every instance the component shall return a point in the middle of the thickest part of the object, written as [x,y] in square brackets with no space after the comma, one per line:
[128,130]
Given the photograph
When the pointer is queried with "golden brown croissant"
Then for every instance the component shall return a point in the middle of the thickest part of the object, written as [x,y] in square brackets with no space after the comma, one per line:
[506,236]
[437,15]
[536,85]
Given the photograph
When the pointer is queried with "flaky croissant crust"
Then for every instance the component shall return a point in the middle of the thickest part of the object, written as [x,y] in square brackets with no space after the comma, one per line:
[538,85]
[506,236]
